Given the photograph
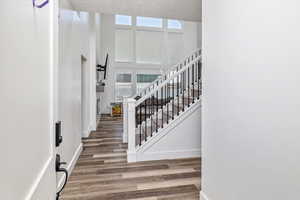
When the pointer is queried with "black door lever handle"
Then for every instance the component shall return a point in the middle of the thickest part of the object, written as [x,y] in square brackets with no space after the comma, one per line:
[63,170]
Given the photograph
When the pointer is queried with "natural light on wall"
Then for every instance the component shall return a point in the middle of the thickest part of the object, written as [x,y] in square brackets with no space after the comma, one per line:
[143,80]
[124,45]
[123,20]
[149,45]
[123,86]
[174,24]
[149,22]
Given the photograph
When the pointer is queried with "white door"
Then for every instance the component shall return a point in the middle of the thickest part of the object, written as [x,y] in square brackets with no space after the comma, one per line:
[27,102]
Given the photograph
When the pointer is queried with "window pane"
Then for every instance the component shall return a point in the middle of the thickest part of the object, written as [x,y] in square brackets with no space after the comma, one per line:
[174,24]
[124,78]
[149,47]
[123,91]
[123,46]
[146,78]
[149,22]
[143,80]
[123,20]
[123,86]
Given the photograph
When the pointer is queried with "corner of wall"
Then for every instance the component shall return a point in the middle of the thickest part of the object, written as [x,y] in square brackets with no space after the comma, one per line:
[203,196]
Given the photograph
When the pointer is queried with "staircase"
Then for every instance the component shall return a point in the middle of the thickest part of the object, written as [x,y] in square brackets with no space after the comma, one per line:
[164,101]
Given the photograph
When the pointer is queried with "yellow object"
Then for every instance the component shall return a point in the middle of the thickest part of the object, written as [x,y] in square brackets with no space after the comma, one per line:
[117,109]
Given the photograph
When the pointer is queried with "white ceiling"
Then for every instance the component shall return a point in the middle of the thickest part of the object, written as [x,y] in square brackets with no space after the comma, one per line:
[189,10]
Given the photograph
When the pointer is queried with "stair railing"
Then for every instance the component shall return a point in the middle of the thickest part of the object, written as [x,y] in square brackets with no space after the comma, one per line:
[170,71]
[160,105]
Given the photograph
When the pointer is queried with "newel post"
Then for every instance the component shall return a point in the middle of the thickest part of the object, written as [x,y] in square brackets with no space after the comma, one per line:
[131,153]
[125,120]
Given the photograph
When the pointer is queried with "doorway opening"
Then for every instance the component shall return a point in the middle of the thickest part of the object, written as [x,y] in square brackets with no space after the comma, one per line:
[84,106]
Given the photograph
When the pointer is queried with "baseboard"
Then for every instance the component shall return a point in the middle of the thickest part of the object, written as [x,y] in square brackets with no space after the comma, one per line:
[72,163]
[162,155]
[47,167]
[131,157]
[203,196]
[94,126]
[85,133]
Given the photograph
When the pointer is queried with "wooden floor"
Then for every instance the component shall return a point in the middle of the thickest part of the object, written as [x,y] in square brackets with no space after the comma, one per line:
[102,172]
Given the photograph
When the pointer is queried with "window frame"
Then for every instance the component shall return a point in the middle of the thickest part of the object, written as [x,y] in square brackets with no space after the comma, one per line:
[150,27]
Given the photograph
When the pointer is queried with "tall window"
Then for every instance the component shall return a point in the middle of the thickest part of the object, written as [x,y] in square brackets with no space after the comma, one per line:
[149,46]
[123,20]
[123,86]
[149,22]
[143,80]
[146,78]
[124,45]
[174,24]
[175,46]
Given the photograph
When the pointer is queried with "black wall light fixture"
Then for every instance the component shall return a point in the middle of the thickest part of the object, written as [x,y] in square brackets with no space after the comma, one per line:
[39,5]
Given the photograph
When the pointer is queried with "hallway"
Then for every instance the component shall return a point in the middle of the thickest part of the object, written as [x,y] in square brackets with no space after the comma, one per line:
[102,171]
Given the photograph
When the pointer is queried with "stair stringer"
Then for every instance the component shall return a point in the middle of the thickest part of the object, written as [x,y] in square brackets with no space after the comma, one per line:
[181,138]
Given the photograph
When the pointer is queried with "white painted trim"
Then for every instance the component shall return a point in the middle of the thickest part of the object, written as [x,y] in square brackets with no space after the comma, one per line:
[39,178]
[86,133]
[72,163]
[131,156]
[93,126]
[189,153]
[203,196]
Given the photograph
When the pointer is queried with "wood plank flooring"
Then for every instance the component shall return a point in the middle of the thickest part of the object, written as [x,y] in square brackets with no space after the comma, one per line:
[102,172]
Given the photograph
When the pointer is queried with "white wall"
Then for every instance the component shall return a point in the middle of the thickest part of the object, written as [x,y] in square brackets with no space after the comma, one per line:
[92,69]
[199,33]
[69,83]
[177,9]
[26,120]
[77,38]
[88,50]
[98,37]
[190,37]
[251,100]
[107,46]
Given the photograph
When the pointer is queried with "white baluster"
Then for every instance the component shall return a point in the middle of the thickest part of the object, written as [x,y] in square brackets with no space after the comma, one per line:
[125,120]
